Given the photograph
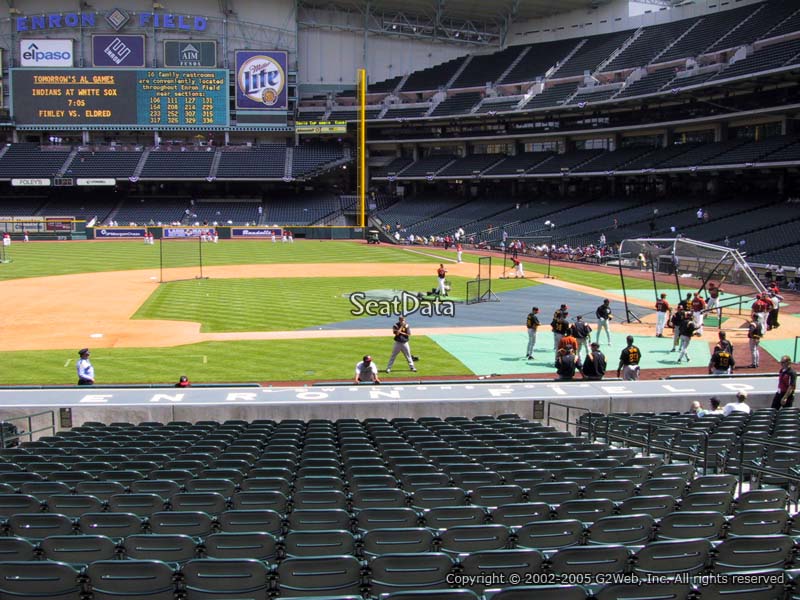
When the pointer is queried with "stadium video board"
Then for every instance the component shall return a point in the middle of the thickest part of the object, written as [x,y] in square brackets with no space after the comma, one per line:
[147,98]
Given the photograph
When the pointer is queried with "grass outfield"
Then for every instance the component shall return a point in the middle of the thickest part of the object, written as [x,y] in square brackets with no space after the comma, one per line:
[240,361]
[601,281]
[278,304]
[41,259]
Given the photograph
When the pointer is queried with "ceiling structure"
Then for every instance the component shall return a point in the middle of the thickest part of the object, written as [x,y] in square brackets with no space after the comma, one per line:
[474,22]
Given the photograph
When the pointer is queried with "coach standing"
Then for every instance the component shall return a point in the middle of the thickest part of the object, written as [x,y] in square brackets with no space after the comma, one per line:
[402,333]
[85,368]
[532,323]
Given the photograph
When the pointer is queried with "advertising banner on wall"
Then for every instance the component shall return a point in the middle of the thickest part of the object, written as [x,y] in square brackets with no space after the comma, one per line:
[118,50]
[256,232]
[120,233]
[190,53]
[45,53]
[261,79]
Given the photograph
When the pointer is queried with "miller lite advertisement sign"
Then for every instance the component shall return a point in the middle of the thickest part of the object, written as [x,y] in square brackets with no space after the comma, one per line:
[261,80]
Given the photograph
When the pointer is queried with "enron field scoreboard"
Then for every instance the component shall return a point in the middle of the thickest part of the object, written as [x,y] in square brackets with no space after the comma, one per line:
[141,98]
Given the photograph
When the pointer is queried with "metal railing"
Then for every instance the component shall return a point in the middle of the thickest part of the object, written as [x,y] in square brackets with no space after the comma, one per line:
[566,420]
[648,444]
[792,474]
[6,438]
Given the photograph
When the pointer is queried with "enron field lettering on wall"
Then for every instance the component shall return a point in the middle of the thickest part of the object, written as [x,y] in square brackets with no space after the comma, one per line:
[137,97]
[261,82]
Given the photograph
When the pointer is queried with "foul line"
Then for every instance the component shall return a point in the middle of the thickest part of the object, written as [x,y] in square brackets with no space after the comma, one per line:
[436,256]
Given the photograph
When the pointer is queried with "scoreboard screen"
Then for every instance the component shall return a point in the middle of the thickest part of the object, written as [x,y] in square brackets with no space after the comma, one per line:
[137,97]
[320,127]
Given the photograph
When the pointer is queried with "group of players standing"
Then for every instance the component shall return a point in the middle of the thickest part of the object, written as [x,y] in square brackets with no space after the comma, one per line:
[574,350]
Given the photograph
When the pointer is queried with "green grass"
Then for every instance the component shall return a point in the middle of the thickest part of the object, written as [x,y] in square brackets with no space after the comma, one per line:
[241,361]
[601,281]
[41,259]
[278,304]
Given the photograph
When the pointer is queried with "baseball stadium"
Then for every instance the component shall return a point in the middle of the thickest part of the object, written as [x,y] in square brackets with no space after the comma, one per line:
[380,300]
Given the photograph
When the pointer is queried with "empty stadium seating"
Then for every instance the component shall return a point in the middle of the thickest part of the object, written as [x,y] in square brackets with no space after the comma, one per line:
[599,508]
[174,163]
[108,163]
[31,160]
[266,161]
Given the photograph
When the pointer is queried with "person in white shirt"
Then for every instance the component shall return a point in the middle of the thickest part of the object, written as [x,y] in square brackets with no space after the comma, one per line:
[740,405]
[85,368]
[367,371]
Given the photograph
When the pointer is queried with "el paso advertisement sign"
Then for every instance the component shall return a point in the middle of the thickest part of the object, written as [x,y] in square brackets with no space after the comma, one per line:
[45,53]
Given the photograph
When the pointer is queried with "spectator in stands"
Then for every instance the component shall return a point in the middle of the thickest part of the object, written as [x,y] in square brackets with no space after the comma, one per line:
[183,382]
[715,409]
[367,371]
[697,409]
[567,362]
[85,368]
[740,405]
[594,365]
[787,381]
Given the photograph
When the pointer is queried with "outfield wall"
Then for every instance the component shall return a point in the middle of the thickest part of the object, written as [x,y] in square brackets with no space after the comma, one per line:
[226,232]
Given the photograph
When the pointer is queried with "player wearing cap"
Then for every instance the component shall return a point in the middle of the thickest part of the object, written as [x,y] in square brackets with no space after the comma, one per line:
[662,311]
[560,327]
[581,331]
[754,335]
[676,321]
[603,314]
[567,362]
[686,330]
[367,371]
[402,332]
[441,273]
[629,360]
[698,313]
[518,270]
[722,362]
[713,300]
[532,323]
[787,381]
[761,310]
[85,368]
[594,365]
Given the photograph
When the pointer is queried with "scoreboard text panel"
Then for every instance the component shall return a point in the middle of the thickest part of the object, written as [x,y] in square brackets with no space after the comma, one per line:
[138,97]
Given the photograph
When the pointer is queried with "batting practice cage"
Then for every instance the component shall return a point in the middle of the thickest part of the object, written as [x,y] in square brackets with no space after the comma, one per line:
[681,267]
[181,257]
[480,288]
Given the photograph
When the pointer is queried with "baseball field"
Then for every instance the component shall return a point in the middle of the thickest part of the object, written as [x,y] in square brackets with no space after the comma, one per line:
[266,312]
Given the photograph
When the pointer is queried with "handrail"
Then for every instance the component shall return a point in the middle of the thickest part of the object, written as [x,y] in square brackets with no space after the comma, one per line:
[30,431]
[566,421]
[757,468]
[649,445]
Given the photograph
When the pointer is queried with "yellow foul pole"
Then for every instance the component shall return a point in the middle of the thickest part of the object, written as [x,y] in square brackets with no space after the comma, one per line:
[362,145]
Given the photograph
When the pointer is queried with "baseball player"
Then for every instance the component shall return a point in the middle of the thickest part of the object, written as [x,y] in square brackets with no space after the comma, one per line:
[676,321]
[662,311]
[560,328]
[713,300]
[402,332]
[761,310]
[441,273]
[582,332]
[698,312]
[603,314]
[459,250]
[721,363]
[687,330]
[532,324]
[754,335]
[518,271]
[629,360]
